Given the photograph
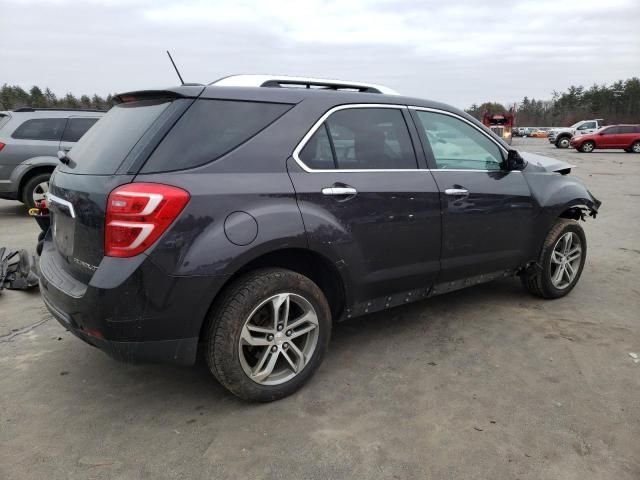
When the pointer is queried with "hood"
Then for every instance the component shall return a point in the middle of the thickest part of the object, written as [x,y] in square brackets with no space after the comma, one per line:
[563,129]
[539,163]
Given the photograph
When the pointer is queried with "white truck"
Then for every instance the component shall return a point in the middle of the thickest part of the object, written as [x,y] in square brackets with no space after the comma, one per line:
[562,136]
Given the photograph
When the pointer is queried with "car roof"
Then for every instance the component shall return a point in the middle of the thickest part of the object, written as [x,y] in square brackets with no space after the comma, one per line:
[326,96]
[339,97]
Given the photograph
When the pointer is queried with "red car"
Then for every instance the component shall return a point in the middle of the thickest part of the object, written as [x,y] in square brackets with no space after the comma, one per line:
[625,137]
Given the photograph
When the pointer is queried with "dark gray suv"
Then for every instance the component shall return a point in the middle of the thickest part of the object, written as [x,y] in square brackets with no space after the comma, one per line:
[245,220]
[30,139]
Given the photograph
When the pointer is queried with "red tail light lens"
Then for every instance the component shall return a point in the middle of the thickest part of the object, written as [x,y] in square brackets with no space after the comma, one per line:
[137,214]
[1,145]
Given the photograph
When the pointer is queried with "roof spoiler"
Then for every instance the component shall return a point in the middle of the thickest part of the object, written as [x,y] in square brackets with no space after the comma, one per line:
[188,90]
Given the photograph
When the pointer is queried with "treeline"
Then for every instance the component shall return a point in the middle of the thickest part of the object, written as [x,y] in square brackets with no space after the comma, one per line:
[615,103]
[13,96]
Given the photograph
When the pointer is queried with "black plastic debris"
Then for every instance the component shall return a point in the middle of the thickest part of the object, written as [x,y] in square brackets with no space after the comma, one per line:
[18,269]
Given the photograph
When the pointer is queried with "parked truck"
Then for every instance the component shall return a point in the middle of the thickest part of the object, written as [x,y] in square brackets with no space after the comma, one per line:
[500,123]
[561,137]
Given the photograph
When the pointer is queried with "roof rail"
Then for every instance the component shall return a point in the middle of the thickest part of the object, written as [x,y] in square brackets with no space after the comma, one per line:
[54,109]
[283,81]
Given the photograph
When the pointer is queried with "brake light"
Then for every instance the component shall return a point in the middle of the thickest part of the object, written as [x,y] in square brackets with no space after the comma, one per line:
[137,214]
[1,145]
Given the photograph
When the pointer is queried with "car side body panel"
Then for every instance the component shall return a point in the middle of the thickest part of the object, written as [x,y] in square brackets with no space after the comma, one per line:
[556,194]
[256,200]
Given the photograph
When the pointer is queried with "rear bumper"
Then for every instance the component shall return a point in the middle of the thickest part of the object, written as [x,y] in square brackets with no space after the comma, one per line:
[131,310]
[181,351]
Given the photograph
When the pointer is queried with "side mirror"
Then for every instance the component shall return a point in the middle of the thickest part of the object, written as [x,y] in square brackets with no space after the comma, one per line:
[514,161]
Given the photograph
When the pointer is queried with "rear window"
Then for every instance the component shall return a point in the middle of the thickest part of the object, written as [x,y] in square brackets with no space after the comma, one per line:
[104,147]
[40,129]
[209,130]
[76,128]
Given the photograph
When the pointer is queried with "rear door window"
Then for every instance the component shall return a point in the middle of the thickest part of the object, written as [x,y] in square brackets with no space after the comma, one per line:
[209,130]
[317,153]
[628,129]
[361,139]
[103,148]
[40,129]
[76,128]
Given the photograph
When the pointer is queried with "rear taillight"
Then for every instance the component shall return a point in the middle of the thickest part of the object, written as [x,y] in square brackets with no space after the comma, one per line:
[1,145]
[137,214]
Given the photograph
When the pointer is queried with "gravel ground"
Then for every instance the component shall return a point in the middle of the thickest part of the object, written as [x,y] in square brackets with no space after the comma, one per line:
[485,383]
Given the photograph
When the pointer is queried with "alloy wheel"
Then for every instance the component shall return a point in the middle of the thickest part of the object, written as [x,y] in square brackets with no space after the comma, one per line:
[563,142]
[565,260]
[39,192]
[278,339]
[636,147]
[588,147]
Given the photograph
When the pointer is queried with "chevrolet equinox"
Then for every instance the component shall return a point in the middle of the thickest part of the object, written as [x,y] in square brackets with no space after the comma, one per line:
[246,216]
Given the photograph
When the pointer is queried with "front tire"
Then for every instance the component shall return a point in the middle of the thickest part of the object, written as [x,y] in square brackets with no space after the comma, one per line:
[560,262]
[268,334]
[635,148]
[35,189]
[587,147]
[563,142]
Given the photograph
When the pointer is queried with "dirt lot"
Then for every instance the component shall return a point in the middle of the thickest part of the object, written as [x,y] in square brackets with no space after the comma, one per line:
[486,383]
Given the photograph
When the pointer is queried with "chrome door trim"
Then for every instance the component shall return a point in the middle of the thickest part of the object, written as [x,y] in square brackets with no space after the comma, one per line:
[61,201]
[339,191]
[328,113]
[318,124]
[456,191]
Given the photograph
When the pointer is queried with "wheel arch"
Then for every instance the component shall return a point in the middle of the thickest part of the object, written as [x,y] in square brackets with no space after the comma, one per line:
[559,196]
[307,262]
[32,167]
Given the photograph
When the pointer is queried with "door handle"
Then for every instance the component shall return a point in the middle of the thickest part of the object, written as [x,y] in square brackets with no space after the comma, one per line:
[456,191]
[339,191]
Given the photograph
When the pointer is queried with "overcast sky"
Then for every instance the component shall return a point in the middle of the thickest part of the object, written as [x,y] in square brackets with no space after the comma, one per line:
[458,52]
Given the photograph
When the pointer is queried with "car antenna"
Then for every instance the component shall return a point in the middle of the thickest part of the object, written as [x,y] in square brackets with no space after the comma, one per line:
[174,66]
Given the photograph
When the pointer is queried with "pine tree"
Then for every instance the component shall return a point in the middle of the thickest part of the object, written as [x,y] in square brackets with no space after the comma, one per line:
[37,97]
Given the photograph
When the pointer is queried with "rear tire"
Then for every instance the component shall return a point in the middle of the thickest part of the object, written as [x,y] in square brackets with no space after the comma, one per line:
[544,280]
[35,188]
[587,147]
[563,142]
[249,332]
[635,148]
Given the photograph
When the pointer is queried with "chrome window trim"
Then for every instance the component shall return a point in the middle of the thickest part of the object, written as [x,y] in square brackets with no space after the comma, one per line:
[470,170]
[451,114]
[318,124]
[328,113]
